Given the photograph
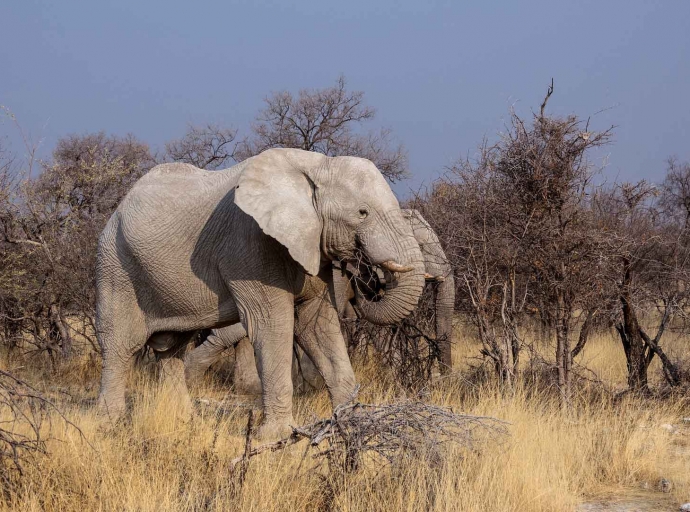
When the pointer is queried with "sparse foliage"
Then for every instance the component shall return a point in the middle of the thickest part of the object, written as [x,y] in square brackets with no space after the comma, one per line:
[325,121]
[207,147]
[518,228]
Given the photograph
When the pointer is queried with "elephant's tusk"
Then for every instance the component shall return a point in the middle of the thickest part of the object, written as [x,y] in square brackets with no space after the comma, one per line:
[393,266]
[438,279]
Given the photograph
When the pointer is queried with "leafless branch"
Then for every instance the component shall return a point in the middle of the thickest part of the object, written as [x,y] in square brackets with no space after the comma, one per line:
[386,431]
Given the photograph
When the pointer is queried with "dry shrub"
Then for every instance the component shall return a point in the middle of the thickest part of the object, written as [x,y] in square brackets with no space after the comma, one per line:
[23,410]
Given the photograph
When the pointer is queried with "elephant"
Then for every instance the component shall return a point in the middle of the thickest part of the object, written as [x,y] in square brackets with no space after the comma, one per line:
[189,249]
[246,379]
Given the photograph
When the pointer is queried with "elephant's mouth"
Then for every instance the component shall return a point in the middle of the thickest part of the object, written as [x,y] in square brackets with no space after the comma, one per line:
[367,280]
[370,281]
[371,284]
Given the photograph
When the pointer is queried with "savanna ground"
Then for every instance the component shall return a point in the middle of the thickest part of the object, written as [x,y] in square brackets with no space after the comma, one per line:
[605,450]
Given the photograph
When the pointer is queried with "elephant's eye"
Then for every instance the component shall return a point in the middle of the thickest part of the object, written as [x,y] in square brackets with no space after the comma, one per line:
[363,213]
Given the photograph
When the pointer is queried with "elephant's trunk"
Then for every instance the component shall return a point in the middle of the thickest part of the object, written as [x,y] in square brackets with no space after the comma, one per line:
[401,296]
[444,307]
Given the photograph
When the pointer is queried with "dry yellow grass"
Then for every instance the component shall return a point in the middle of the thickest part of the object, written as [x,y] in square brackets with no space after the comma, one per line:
[551,461]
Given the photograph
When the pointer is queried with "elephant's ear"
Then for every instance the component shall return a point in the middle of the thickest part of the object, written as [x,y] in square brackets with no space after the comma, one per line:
[273,189]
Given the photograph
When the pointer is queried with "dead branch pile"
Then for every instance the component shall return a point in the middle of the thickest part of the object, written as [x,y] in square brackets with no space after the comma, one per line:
[385,431]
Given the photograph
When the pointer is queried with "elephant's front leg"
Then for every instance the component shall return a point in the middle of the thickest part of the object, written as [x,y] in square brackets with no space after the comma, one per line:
[270,326]
[318,333]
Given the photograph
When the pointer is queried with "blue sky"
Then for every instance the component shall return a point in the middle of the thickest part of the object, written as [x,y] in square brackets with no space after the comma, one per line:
[442,75]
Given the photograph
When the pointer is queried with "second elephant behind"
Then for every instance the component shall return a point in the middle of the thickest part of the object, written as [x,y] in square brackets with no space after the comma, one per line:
[246,379]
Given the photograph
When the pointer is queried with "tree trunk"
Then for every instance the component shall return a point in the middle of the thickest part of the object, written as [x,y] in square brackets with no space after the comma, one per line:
[671,371]
[60,326]
[501,348]
[564,358]
[507,362]
[638,354]
[584,333]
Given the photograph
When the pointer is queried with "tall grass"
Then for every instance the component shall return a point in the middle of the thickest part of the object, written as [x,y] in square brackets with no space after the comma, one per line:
[551,461]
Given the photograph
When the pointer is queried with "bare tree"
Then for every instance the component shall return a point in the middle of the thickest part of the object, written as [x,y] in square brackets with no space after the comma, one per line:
[675,190]
[470,212]
[546,170]
[49,230]
[325,121]
[518,227]
[649,264]
[10,331]
[208,147]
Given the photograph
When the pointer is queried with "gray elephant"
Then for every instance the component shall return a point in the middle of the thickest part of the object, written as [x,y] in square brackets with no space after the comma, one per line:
[348,302]
[189,249]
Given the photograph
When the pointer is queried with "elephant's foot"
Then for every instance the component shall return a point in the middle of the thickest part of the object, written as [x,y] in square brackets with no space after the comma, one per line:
[111,408]
[181,405]
[344,389]
[109,415]
[275,428]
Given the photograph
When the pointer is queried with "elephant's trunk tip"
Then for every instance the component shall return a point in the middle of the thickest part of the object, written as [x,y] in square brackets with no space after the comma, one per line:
[394,266]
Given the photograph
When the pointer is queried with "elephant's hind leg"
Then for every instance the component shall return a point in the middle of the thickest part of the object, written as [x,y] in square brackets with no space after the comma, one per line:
[118,346]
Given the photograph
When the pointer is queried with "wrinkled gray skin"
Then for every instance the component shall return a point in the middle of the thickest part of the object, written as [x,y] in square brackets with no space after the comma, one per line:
[438,269]
[189,249]
[246,378]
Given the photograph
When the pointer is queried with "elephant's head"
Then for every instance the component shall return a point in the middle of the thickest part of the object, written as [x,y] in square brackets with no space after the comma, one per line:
[364,283]
[334,208]
[362,286]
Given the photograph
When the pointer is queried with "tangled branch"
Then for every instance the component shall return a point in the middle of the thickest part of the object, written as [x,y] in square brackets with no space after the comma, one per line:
[385,431]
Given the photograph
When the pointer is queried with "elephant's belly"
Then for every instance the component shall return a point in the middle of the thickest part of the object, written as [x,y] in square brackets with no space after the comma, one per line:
[193,313]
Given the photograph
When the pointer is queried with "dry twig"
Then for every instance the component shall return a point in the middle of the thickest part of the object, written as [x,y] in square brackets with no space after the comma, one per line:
[385,431]
[23,408]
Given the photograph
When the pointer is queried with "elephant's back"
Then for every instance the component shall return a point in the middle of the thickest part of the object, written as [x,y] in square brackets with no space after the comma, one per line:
[173,200]
[179,184]
[165,212]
